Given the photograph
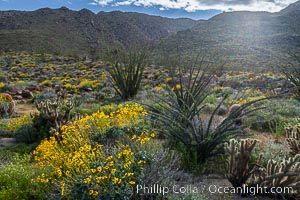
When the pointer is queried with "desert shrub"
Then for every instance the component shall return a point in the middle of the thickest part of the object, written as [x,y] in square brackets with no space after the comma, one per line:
[182,121]
[272,151]
[7,105]
[70,87]
[126,70]
[275,117]
[21,128]
[162,169]
[16,123]
[2,85]
[87,108]
[292,74]
[83,166]
[18,149]
[27,133]
[267,122]
[16,180]
[88,84]
[104,94]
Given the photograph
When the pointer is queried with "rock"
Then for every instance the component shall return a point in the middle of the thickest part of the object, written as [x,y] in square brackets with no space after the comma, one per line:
[236,108]
[18,97]
[4,133]
[7,142]
[222,110]
[214,176]
[32,88]
[27,94]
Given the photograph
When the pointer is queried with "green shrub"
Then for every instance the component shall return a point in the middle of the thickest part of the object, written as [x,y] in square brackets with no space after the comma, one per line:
[28,134]
[266,122]
[272,151]
[275,117]
[292,73]
[16,181]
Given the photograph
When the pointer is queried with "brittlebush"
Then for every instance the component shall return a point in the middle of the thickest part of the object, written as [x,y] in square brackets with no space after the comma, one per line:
[83,167]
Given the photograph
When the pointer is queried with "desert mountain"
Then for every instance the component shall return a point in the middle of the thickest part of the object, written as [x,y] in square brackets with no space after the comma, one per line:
[78,32]
[244,39]
[250,39]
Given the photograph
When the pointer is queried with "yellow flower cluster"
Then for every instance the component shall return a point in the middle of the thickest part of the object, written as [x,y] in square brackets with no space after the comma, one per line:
[177,87]
[143,137]
[85,83]
[5,97]
[15,123]
[70,87]
[217,88]
[77,154]
[1,85]
[250,95]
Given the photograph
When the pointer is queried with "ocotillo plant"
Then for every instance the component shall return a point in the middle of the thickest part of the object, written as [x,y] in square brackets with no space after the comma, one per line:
[126,70]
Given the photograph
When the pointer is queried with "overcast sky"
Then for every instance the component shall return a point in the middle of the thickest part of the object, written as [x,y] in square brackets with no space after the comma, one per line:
[197,9]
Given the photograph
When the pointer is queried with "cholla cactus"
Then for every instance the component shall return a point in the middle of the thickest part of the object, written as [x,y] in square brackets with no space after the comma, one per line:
[275,174]
[7,105]
[56,110]
[284,174]
[293,139]
[239,163]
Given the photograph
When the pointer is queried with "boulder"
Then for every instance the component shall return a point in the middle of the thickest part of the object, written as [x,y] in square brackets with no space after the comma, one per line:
[27,94]
[18,97]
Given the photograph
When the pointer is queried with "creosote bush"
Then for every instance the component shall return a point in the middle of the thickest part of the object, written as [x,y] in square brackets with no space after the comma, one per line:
[126,70]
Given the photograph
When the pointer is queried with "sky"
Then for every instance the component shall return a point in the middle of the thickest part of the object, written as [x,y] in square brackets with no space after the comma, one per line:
[196,9]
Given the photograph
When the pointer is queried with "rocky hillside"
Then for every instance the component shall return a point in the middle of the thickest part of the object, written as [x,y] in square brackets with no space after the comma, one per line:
[79,32]
[243,39]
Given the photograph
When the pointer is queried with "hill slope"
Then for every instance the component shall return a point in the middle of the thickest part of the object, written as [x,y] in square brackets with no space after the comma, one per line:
[76,32]
[245,39]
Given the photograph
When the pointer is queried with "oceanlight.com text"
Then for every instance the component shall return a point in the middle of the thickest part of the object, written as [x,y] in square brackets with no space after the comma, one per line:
[213,189]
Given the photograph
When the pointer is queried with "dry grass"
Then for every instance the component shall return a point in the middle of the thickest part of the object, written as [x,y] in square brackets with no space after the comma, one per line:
[25,108]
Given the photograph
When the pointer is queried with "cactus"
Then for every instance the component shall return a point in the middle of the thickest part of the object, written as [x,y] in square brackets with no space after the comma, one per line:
[284,174]
[275,174]
[239,163]
[56,111]
[7,105]
[293,139]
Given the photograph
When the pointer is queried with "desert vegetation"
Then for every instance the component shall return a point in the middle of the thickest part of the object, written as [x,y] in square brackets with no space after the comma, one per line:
[79,128]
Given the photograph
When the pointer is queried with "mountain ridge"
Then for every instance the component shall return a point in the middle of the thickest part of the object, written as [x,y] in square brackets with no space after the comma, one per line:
[82,30]
[249,39]
[243,37]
